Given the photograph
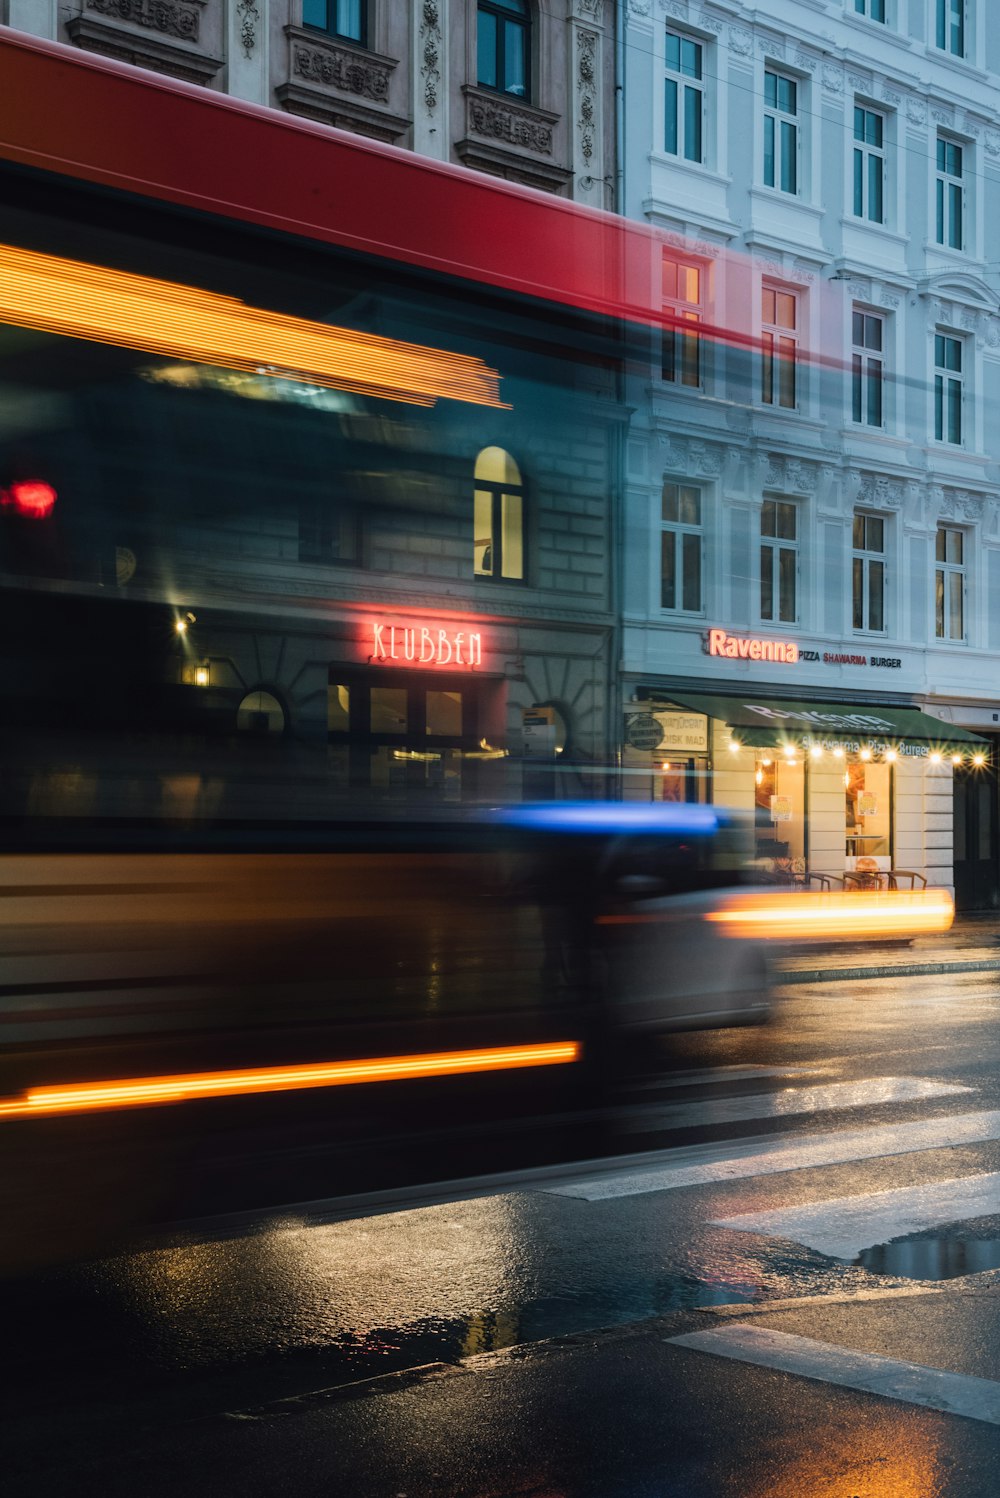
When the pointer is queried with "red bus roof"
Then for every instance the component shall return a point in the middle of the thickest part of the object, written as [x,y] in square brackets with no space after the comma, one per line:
[105,122]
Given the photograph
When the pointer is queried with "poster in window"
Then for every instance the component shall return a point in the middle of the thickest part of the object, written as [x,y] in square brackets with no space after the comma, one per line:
[867,805]
[781,808]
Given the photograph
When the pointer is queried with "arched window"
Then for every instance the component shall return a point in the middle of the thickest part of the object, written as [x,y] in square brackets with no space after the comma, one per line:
[344,18]
[260,713]
[503,39]
[498,520]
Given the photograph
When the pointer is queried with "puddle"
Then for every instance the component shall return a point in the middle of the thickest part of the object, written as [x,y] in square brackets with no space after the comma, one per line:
[932,1258]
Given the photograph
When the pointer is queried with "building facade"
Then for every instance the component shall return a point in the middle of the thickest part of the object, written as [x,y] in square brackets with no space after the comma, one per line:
[511,87]
[813,499]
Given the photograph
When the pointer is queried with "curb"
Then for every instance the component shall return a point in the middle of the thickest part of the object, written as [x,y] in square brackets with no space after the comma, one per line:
[787,977]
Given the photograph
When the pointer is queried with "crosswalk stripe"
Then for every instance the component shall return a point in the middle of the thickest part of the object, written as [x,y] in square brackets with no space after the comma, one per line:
[705,1165]
[913,1383]
[790,1101]
[842,1226]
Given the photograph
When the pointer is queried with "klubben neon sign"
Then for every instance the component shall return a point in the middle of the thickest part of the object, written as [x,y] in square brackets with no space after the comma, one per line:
[420,645]
[749,648]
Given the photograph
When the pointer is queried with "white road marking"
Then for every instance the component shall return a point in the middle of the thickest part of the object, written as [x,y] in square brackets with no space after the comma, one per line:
[843,1226]
[933,1388]
[790,1101]
[705,1165]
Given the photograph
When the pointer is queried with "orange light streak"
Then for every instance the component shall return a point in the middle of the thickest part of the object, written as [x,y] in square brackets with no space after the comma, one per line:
[137,1092]
[54,295]
[818,916]
[828,916]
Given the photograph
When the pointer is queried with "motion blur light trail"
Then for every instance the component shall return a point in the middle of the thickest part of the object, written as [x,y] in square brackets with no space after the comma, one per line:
[51,294]
[134,1092]
[828,916]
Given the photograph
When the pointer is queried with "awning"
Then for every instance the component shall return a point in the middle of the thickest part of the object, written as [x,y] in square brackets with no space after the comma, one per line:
[831,724]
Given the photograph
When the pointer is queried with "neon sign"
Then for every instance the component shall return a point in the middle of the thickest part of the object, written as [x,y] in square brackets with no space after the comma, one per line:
[740,647]
[419,645]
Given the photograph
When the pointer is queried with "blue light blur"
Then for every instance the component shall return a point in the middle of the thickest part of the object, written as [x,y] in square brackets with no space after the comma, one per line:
[614,816]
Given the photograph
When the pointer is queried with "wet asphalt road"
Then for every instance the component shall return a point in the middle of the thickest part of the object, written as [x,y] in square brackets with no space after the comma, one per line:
[544,1319]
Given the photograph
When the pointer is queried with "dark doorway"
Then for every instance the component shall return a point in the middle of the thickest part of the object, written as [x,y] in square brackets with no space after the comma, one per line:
[977,878]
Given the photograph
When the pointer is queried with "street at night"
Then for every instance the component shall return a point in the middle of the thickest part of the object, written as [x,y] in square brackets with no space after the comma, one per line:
[727,1313]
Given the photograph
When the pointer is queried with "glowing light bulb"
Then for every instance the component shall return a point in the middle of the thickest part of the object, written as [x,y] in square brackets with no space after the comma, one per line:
[935,758]
[866,754]
[979,760]
[816,751]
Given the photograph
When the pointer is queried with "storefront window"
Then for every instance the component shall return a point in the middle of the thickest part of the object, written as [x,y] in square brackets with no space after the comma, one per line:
[868,788]
[780,799]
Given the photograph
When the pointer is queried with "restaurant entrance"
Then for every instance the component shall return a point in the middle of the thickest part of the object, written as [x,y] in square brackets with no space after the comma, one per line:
[977,878]
[396,733]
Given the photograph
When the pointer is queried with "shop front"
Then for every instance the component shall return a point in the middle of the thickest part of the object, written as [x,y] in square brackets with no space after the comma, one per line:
[858,794]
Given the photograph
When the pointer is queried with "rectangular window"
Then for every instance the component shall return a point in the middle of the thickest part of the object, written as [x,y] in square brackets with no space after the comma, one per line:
[949,30]
[681,542]
[683,98]
[340,17]
[681,363]
[950,194]
[948,390]
[328,533]
[781,132]
[867,368]
[868,572]
[873,9]
[779,346]
[949,584]
[869,165]
[779,561]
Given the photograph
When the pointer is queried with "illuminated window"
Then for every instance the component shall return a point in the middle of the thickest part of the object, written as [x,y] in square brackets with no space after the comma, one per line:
[781,132]
[867,368]
[779,561]
[682,301]
[683,98]
[868,572]
[949,584]
[949,189]
[503,46]
[949,26]
[260,714]
[779,347]
[869,164]
[780,817]
[344,18]
[681,543]
[498,517]
[948,389]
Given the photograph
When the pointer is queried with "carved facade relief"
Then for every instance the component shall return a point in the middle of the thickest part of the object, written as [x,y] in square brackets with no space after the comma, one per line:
[340,84]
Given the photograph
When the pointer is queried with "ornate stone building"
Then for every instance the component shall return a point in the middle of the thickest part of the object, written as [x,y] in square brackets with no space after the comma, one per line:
[516,88]
[825,174]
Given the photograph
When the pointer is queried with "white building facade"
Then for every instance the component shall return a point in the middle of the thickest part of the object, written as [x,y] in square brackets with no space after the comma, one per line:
[821,476]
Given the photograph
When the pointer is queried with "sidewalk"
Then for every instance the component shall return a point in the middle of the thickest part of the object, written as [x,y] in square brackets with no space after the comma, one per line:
[972,945]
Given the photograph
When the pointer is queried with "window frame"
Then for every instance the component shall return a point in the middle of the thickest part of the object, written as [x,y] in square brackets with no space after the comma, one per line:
[331,28]
[869,557]
[498,489]
[944,22]
[945,569]
[680,530]
[866,154]
[683,84]
[863,356]
[776,545]
[324,517]
[949,387]
[779,123]
[863,8]
[685,351]
[949,190]
[776,338]
[499,14]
